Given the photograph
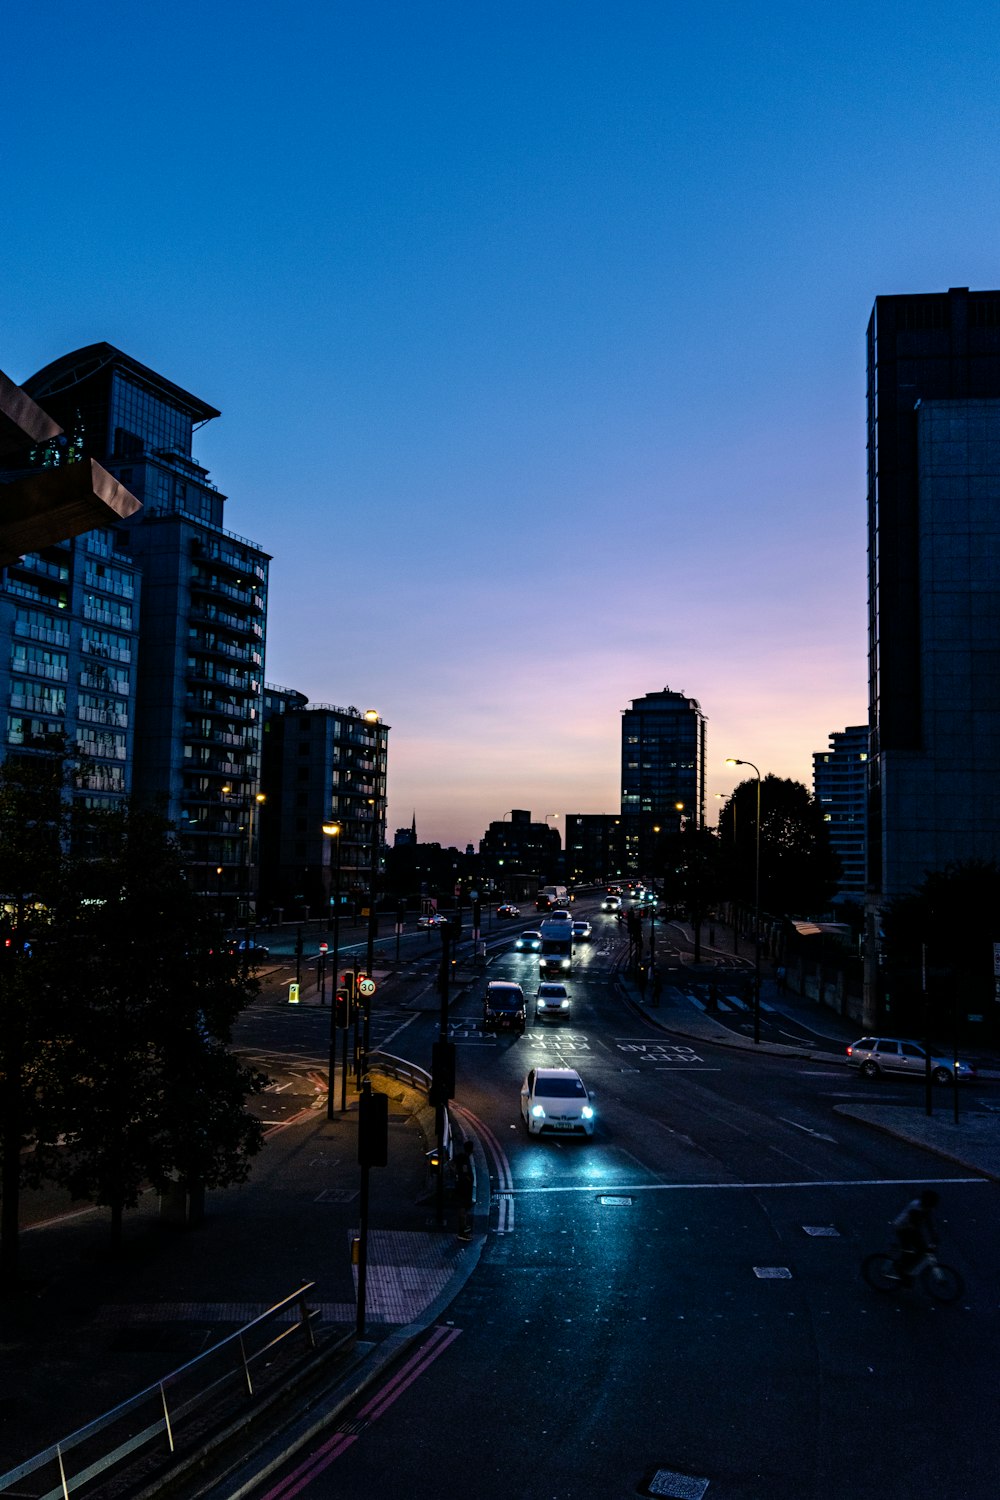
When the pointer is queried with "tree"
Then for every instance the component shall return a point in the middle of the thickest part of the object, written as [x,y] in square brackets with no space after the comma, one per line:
[691,872]
[32,835]
[138,1083]
[799,869]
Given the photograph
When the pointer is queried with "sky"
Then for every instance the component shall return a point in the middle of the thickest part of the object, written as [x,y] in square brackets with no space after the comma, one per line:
[538,334]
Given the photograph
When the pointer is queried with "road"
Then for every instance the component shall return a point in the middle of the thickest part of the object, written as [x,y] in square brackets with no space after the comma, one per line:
[674,1306]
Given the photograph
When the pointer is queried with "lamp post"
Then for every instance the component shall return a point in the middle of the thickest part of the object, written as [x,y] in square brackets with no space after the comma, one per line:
[371,717]
[732,761]
[334,831]
[257,802]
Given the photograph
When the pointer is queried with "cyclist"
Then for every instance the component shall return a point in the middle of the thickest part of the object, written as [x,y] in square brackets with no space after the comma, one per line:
[915,1232]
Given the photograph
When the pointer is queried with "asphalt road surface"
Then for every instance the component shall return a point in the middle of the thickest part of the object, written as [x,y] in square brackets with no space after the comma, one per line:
[674,1306]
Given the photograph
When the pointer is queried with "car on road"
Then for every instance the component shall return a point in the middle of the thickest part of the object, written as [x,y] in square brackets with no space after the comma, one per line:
[559,916]
[503,1007]
[432,919]
[552,1002]
[875,1055]
[528,941]
[581,931]
[257,951]
[508,911]
[611,903]
[556,1100]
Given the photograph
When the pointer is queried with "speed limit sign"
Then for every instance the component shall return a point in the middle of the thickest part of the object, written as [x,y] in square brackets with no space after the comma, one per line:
[366,986]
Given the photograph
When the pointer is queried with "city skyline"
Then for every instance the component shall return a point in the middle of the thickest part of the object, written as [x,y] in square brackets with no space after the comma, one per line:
[538,339]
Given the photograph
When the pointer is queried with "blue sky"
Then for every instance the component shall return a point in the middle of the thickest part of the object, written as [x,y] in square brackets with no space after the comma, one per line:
[537,332]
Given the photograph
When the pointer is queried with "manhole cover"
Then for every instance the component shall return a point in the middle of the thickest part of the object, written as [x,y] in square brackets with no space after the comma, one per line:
[679,1486]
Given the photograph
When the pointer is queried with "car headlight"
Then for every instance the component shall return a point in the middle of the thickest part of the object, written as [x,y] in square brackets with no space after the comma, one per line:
[538,1112]
[564,1005]
[541,1004]
[587,1111]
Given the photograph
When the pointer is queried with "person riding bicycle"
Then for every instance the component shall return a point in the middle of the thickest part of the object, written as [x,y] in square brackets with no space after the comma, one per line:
[915,1232]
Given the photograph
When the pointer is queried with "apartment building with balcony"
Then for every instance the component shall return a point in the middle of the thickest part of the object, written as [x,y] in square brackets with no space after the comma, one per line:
[840,782]
[69,623]
[323,766]
[176,603]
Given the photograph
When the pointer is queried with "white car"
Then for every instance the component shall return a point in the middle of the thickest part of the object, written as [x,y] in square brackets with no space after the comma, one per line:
[582,930]
[552,1002]
[556,1100]
[611,903]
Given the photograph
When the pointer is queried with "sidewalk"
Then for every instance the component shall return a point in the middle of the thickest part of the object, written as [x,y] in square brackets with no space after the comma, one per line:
[90,1332]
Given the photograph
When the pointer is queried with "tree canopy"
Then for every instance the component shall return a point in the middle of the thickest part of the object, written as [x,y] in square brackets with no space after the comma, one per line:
[799,869]
[119,1000]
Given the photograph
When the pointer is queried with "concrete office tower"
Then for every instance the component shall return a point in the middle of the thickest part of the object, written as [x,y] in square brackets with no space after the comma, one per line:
[934,591]
[197,666]
[663,765]
[840,782]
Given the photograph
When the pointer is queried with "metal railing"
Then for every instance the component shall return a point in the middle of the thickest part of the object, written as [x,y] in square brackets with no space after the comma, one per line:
[157,1413]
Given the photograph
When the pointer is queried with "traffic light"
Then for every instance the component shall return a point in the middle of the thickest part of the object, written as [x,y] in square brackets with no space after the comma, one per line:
[442,1073]
[348,986]
[373,1128]
[342,1014]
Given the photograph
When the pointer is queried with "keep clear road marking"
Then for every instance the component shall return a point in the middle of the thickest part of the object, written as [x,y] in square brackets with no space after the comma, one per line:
[666,1057]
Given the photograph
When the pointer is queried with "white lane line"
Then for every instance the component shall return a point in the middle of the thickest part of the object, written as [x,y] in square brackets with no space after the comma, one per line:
[808,1130]
[402,1027]
[750,1187]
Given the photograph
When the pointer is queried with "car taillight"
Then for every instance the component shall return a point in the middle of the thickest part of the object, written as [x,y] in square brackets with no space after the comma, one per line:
[850,1051]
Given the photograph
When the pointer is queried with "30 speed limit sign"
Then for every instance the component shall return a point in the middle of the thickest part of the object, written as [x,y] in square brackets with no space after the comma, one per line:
[366,986]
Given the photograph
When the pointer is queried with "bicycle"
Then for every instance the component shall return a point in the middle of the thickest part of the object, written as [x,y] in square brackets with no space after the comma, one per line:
[940,1282]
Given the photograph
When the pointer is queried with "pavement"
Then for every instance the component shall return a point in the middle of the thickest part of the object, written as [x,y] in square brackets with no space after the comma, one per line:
[88,1331]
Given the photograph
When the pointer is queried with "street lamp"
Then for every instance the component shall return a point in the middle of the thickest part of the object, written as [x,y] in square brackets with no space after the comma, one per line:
[334,831]
[372,717]
[732,761]
[258,801]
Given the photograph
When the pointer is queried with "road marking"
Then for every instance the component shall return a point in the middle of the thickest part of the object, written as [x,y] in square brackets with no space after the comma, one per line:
[808,1130]
[753,1187]
[772,1273]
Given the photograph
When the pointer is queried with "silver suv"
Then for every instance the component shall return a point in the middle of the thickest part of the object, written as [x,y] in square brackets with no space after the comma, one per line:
[886,1054]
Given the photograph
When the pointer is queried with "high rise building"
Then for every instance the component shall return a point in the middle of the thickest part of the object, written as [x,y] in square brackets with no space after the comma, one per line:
[323,766]
[934,590]
[144,642]
[663,772]
[594,848]
[840,782]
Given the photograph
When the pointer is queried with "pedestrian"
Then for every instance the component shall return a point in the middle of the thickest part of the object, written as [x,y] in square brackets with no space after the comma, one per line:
[465,1180]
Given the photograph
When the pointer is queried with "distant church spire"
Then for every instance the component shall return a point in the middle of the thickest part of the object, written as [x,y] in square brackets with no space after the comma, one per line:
[414,829]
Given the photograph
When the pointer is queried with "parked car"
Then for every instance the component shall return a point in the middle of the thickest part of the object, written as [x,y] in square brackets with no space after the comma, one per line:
[432,919]
[508,911]
[875,1055]
[528,941]
[503,1007]
[581,930]
[556,1099]
[552,1002]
